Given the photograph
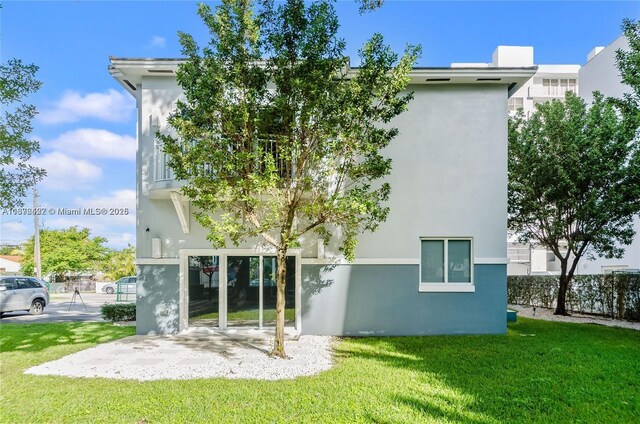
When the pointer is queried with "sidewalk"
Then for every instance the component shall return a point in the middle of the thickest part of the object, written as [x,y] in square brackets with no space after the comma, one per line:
[547,315]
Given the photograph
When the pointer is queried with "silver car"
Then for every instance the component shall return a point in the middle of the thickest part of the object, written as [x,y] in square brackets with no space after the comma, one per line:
[19,293]
[123,285]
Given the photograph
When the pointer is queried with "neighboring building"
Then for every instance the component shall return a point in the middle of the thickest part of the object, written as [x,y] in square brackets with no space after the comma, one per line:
[436,266]
[600,73]
[549,82]
[525,259]
[10,264]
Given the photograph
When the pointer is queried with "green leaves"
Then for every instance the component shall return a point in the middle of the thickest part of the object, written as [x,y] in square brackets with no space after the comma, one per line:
[574,176]
[71,249]
[277,136]
[119,263]
[17,81]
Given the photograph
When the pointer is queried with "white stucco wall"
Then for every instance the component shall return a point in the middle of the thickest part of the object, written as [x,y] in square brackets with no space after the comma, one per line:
[600,73]
[449,175]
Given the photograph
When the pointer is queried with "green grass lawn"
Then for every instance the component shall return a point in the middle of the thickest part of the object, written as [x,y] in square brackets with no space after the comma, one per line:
[540,372]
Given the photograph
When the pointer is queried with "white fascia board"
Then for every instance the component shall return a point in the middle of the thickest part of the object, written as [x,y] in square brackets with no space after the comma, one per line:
[474,73]
[132,70]
[157,261]
[391,261]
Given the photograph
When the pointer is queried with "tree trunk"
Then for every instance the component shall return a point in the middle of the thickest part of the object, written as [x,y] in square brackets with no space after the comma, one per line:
[565,280]
[561,308]
[281,282]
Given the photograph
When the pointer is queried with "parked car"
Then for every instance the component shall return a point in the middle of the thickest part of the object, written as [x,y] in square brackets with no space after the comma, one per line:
[123,285]
[18,293]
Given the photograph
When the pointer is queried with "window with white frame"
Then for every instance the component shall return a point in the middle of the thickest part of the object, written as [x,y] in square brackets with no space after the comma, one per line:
[515,103]
[446,264]
[559,86]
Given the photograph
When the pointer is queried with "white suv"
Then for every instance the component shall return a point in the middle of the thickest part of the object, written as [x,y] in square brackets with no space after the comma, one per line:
[19,293]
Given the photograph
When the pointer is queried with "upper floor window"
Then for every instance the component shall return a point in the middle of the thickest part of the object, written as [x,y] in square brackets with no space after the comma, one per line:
[559,86]
[516,103]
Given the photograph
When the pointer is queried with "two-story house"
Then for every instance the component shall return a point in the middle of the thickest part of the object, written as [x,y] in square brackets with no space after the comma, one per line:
[436,266]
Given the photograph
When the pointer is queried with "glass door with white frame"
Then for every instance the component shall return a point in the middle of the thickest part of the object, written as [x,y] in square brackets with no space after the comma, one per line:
[243,291]
[203,278]
[269,290]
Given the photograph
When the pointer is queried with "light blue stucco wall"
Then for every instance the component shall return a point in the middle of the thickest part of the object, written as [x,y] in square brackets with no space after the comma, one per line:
[354,300]
[359,300]
[157,309]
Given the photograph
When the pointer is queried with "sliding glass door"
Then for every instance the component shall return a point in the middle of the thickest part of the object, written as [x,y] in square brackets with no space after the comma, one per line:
[204,287]
[242,294]
[243,291]
[251,291]
[269,292]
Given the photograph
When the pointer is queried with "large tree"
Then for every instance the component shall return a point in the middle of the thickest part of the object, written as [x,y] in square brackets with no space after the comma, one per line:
[574,180]
[67,250]
[277,137]
[119,263]
[17,81]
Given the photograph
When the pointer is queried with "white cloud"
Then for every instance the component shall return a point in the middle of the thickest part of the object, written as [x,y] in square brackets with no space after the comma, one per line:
[119,241]
[66,173]
[111,106]
[119,230]
[122,202]
[15,231]
[158,41]
[115,238]
[95,143]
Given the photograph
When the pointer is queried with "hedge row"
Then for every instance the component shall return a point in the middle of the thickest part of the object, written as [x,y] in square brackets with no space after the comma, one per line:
[119,312]
[613,295]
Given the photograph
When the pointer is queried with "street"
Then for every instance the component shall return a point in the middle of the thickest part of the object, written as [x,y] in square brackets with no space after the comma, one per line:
[60,309]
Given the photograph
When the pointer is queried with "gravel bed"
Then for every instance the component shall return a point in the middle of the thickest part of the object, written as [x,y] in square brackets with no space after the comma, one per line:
[146,358]
[547,314]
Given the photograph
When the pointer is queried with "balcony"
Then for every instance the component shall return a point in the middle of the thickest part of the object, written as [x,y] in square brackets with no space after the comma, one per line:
[161,179]
[539,92]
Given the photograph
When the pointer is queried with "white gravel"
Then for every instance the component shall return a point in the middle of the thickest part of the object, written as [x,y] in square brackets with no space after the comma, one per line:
[547,314]
[238,356]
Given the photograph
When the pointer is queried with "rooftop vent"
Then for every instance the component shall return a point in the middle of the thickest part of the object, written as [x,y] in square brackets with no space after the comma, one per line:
[488,79]
[438,79]
[160,71]
[131,86]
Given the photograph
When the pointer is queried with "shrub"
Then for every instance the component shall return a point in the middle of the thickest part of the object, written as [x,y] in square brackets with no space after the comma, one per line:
[118,312]
[613,295]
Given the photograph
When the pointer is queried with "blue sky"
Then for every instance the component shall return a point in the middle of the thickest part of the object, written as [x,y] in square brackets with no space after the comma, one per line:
[87,122]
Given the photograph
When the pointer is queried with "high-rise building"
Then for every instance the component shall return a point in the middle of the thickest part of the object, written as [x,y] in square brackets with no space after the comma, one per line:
[549,82]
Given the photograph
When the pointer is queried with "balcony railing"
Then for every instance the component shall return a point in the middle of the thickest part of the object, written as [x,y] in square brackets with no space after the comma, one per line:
[540,91]
[164,173]
[162,170]
[519,254]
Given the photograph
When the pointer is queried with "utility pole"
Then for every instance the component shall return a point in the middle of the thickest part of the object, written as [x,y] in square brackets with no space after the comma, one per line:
[36,236]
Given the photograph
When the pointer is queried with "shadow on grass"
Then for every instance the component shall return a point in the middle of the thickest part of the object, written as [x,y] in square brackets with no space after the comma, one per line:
[38,337]
[539,371]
